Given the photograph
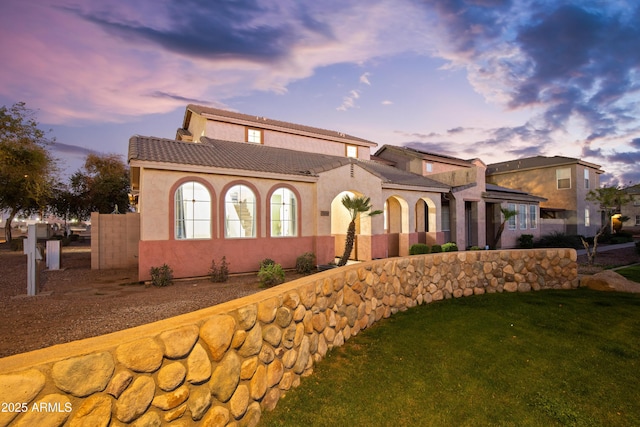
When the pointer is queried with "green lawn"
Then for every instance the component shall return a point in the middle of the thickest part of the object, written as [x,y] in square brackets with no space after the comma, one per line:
[631,273]
[535,359]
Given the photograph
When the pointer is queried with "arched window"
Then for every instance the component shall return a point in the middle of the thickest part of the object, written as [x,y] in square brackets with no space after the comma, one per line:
[193,211]
[284,209]
[239,212]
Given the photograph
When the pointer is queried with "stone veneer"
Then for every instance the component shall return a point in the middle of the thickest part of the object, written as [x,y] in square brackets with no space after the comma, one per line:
[226,364]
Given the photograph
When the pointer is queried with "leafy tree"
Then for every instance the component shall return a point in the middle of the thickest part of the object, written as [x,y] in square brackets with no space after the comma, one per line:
[102,185]
[610,200]
[355,206]
[27,170]
[507,215]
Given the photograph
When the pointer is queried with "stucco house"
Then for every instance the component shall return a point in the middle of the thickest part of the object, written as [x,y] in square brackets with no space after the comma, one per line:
[632,210]
[471,208]
[202,200]
[563,181]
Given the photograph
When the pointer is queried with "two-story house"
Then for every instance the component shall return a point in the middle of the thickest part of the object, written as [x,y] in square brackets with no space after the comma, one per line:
[203,198]
[470,211]
[631,210]
[563,181]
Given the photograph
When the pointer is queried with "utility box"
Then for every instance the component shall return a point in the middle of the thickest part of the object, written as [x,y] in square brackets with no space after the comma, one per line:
[43,231]
[53,255]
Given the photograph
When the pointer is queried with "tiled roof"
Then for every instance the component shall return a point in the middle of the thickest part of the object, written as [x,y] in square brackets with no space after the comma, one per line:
[255,157]
[263,122]
[498,192]
[535,163]
[413,152]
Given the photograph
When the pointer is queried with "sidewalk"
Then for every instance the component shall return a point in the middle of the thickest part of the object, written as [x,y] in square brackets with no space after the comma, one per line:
[603,248]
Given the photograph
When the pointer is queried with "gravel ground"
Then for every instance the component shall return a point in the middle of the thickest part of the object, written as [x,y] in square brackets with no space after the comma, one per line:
[77,302]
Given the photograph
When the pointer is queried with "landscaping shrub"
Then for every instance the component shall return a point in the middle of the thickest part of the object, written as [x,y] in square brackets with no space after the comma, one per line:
[271,275]
[265,262]
[560,240]
[219,273]
[161,276]
[450,247]
[436,249]
[475,248]
[306,263]
[419,248]
[74,237]
[638,247]
[525,241]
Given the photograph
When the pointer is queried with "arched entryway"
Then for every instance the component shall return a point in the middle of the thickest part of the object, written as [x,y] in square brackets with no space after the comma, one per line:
[396,223]
[426,221]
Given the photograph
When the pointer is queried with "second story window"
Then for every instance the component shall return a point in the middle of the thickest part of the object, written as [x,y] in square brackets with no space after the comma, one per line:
[586,179]
[563,177]
[254,136]
[428,167]
[352,151]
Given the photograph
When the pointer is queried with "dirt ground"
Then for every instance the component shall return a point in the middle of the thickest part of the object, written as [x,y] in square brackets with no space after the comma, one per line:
[77,302]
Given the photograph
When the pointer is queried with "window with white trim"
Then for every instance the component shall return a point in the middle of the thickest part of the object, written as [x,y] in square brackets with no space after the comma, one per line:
[239,212]
[254,136]
[428,167]
[533,216]
[563,178]
[522,217]
[587,217]
[511,223]
[586,178]
[637,220]
[284,208]
[192,211]
[352,151]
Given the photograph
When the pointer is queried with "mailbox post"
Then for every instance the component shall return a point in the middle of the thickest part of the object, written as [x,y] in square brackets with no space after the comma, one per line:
[33,256]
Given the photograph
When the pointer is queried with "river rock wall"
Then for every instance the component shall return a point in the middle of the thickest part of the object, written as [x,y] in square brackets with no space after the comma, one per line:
[227,364]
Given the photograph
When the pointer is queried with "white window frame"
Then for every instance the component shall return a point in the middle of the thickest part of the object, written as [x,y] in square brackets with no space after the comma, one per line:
[522,217]
[192,211]
[511,223]
[234,198]
[351,151]
[533,217]
[284,213]
[637,220]
[563,175]
[587,217]
[586,179]
[254,136]
[428,167]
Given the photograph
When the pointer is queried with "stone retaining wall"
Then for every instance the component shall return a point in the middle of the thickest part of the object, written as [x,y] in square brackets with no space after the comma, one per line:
[226,364]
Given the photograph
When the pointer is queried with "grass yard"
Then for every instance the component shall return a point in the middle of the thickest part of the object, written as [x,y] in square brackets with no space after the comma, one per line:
[565,358]
[631,273]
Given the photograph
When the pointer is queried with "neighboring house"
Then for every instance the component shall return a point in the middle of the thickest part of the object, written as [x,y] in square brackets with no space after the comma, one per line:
[632,210]
[200,201]
[564,182]
[471,209]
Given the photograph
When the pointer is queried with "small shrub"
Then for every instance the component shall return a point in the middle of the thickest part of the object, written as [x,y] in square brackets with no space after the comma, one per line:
[219,273]
[525,241]
[306,263]
[475,248]
[161,276]
[65,241]
[436,249]
[619,238]
[271,275]
[560,240]
[265,262]
[419,248]
[74,237]
[450,247]
[638,247]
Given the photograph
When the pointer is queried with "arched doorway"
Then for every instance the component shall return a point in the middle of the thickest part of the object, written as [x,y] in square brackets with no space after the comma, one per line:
[426,221]
[340,220]
[396,223]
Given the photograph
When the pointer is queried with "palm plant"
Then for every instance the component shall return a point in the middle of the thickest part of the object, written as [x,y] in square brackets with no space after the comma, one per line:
[508,214]
[355,206]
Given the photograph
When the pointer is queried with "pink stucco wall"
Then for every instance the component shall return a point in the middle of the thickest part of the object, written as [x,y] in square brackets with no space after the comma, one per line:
[191,258]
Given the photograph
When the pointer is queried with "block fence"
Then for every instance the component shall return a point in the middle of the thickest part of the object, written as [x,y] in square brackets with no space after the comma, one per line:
[226,364]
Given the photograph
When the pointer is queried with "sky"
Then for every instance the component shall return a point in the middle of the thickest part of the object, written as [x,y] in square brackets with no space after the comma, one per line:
[490,79]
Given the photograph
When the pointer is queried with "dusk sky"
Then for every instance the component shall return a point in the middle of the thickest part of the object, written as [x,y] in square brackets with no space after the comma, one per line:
[489,79]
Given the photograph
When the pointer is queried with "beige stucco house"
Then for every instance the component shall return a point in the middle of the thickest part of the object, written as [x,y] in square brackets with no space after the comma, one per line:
[471,209]
[632,210]
[200,200]
[563,181]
